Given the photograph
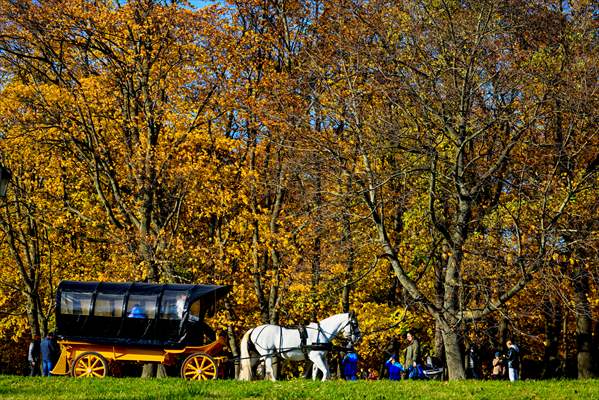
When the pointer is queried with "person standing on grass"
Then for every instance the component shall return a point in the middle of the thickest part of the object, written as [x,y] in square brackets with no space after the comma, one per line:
[472,363]
[33,356]
[498,367]
[412,356]
[513,360]
[49,350]
[350,364]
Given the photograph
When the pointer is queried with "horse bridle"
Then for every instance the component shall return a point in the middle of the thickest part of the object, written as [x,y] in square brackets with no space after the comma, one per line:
[354,330]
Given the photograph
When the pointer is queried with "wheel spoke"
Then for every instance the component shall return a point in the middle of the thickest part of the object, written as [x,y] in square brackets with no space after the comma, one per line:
[204,359]
[82,371]
[95,362]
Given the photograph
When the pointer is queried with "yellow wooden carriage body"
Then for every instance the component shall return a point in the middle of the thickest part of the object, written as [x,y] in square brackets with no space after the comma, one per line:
[83,359]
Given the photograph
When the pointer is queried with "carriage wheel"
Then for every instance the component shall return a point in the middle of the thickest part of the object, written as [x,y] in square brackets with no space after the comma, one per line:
[90,365]
[199,366]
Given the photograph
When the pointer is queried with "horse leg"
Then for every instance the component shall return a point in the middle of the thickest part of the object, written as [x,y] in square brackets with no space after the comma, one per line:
[325,372]
[254,359]
[260,367]
[320,363]
[269,369]
[275,367]
[315,370]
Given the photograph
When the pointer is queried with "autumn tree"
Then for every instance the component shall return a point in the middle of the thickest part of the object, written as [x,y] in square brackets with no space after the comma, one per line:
[564,68]
[437,94]
[41,242]
[125,91]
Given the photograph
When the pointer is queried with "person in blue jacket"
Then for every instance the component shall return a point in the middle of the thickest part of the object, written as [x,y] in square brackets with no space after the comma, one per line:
[50,352]
[350,364]
[137,312]
[395,368]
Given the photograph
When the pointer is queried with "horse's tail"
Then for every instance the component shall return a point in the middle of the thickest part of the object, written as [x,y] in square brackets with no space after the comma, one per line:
[245,370]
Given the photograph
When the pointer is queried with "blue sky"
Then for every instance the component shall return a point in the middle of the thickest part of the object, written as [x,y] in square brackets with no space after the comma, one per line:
[201,3]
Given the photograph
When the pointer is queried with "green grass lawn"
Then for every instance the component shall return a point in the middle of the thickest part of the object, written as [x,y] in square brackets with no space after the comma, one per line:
[17,387]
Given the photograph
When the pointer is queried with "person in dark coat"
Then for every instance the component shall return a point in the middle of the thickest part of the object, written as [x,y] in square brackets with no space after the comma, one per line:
[50,351]
[472,363]
[513,361]
[34,355]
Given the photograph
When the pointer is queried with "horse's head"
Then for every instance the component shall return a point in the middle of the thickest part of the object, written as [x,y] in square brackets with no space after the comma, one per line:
[351,330]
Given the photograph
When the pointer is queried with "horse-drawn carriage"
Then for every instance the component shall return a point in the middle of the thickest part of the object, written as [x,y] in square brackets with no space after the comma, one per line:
[100,324]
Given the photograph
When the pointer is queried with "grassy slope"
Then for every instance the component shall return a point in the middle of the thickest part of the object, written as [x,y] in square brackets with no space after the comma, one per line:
[12,387]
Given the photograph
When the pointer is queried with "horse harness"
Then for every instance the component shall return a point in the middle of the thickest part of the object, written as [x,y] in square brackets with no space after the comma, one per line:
[251,345]
[306,348]
[303,332]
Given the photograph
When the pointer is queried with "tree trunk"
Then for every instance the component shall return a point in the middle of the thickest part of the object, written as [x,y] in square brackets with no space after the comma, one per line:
[453,353]
[502,333]
[438,348]
[234,350]
[564,363]
[256,267]
[553,325]
[452,284]
[316,251]
[595,353]
[584,323]
[148,370]
[33,316]
[315,281]
[349,262]
[153,370]
[275,295]
[161,371]
[451,333]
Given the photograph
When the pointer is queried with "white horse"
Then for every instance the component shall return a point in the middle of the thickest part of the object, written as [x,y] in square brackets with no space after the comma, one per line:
[267,342]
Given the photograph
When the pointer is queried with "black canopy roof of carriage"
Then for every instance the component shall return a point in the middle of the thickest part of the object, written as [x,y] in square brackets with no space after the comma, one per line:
[145,314]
